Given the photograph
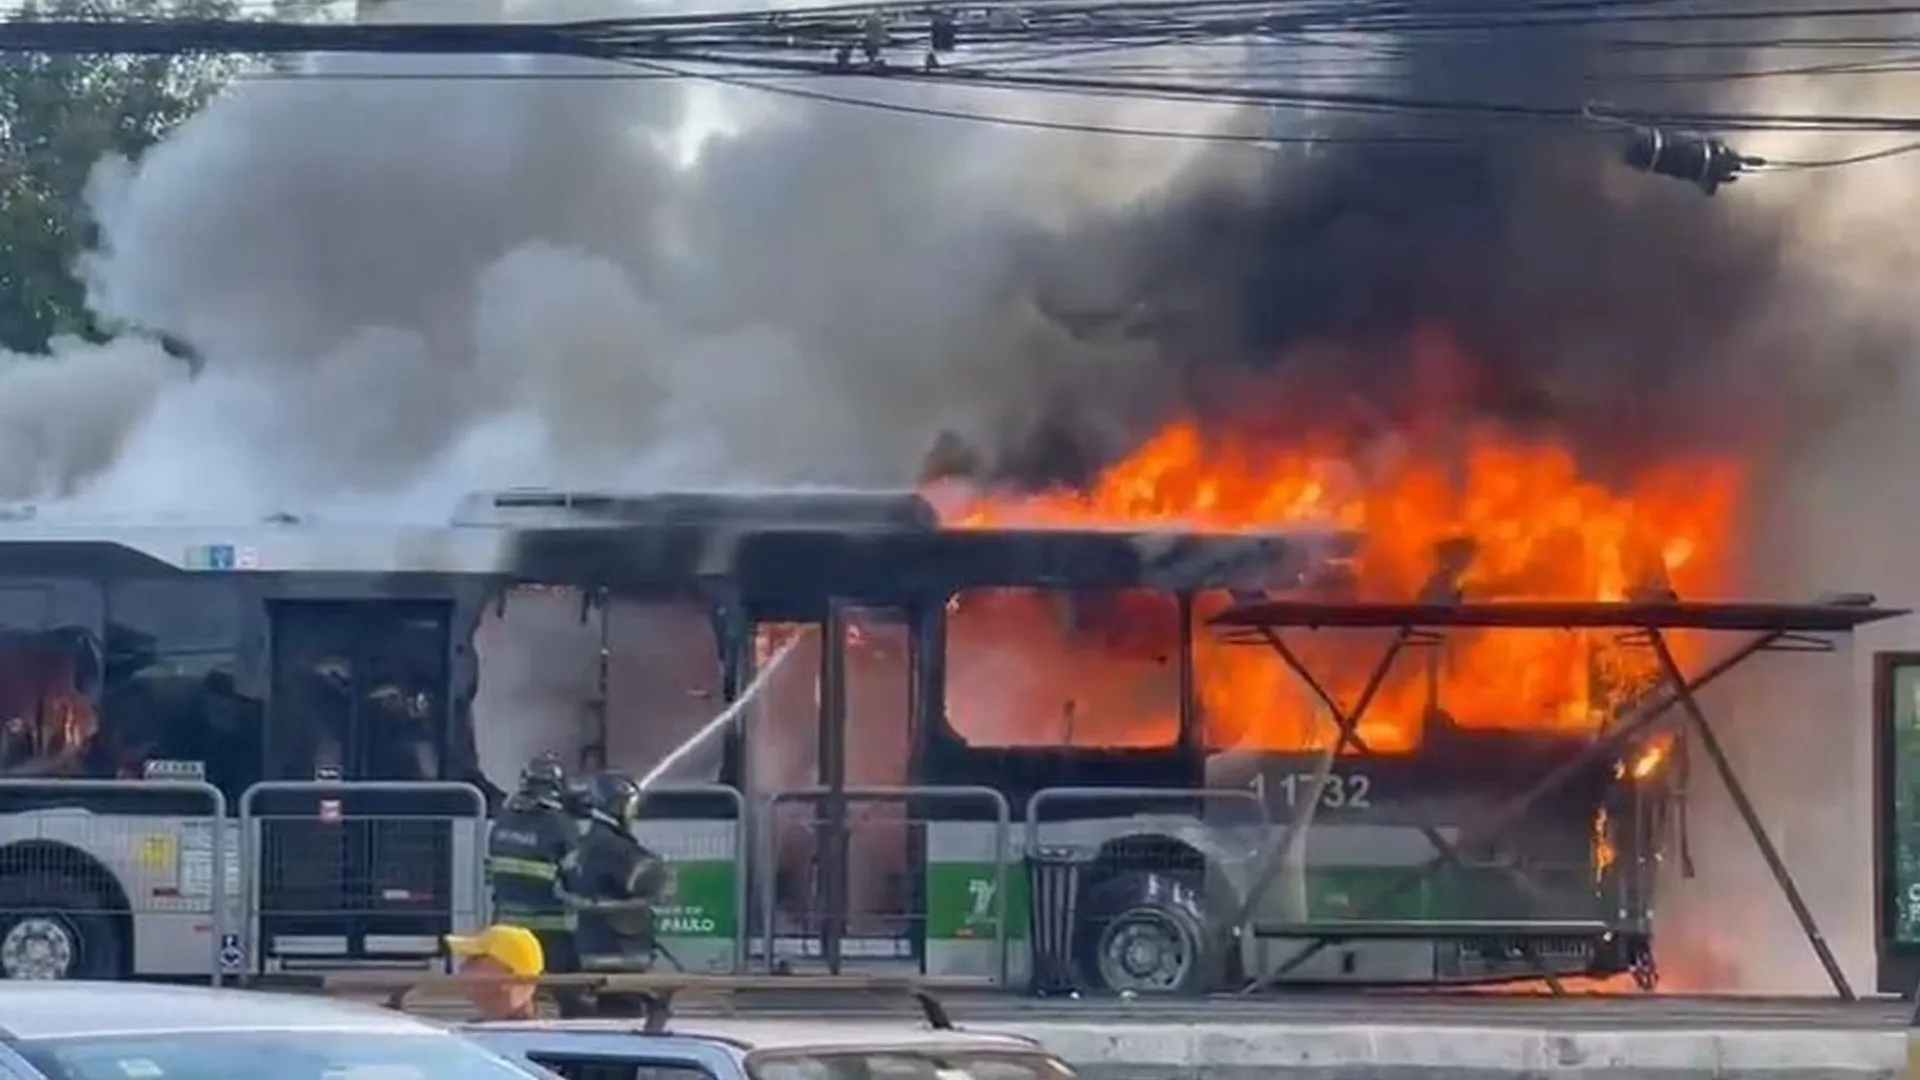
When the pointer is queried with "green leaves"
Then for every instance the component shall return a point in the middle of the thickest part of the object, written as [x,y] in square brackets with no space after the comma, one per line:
[59,115]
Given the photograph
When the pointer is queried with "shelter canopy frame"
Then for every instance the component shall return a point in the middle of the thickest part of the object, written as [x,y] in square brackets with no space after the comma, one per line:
[1767,626]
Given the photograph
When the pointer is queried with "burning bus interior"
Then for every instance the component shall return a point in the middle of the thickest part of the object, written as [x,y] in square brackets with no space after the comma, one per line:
[124,679]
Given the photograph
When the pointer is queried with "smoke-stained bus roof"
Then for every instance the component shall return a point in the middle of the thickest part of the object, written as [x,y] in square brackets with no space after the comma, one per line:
[524,507]
[847,543]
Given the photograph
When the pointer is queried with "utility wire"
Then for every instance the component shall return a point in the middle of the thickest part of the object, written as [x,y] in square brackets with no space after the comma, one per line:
[1834,163]
[760,43]
[905,109]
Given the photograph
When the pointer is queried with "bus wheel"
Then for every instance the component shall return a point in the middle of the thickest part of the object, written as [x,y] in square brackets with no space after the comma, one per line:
[1157,944]
[53,928]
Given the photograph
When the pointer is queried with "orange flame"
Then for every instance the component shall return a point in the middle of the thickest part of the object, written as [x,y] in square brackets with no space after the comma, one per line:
[1648,762]
[1538,529]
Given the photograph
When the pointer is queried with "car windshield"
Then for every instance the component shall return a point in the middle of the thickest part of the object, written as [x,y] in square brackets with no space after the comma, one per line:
[907,1063]
[267,1055]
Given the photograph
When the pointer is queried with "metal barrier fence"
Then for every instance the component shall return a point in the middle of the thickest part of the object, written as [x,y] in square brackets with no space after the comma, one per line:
[881,912]
[101,876]
[360,867]
[702,917]
[933,868]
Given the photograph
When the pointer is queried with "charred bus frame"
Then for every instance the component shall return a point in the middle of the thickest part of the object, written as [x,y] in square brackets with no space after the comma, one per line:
[1771,627]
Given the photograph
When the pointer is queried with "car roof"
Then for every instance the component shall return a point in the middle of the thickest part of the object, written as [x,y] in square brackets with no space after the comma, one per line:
[748,1035]
[58,1010]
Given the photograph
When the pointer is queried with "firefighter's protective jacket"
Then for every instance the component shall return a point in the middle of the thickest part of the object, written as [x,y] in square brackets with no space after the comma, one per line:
[530,841]
[614,880]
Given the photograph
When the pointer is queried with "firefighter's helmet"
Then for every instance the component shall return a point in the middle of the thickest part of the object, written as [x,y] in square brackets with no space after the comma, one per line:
[543,777]
[614,799]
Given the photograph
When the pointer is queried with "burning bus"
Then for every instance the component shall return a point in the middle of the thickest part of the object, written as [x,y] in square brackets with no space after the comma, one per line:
[863,725]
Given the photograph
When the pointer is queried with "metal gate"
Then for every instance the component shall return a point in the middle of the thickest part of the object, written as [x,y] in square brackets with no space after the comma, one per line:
[359,872]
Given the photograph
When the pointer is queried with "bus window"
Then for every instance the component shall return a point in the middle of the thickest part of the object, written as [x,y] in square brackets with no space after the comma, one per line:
[359,690]
[1047,668]
[175,700]
[606,683]
[663,687]
[403,691]
[50,660]
[537,650]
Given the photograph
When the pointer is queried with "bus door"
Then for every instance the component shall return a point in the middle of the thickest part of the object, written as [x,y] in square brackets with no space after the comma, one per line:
[866,891]
[359,692]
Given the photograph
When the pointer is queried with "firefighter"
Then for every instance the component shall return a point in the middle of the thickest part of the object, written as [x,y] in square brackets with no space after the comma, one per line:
[612,881]
[531,837]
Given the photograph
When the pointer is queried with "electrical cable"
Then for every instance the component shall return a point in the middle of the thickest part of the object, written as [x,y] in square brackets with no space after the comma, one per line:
[729,40]
[905,109]
[1833,163]
[792,24]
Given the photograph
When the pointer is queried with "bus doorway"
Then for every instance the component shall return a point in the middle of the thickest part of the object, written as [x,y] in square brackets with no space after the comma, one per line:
[839,715]
[359,692]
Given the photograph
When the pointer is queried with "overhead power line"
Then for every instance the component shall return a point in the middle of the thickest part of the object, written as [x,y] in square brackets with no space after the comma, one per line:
[592,40]
[768,50]
[1038,124]
[1833,163]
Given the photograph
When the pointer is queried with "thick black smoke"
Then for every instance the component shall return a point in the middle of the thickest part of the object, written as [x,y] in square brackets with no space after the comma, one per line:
[1515,266]
[1519,272]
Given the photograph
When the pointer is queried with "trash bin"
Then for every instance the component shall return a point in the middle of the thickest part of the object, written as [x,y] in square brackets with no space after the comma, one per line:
[1054,896]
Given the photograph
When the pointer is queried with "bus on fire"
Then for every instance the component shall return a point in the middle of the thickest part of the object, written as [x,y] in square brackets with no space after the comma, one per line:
[855,644]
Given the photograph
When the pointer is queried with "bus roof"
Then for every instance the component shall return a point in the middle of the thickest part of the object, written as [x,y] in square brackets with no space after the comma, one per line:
[846,542]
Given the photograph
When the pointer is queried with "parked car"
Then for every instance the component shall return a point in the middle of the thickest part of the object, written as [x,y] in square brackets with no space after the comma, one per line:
[654,1043]
[766,1049]
[129,1031]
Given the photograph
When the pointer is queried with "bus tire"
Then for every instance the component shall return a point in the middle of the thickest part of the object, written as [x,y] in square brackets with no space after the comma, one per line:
[52,927]
[1148,933]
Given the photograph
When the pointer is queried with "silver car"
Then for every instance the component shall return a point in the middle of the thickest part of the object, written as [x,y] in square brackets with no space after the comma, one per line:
[127,1031]
[786,1049]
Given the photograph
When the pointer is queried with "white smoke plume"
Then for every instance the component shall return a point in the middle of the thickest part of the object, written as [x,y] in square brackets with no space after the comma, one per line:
[400,290]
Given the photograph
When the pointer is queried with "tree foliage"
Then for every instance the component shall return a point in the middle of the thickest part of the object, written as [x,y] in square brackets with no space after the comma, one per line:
[60,114]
